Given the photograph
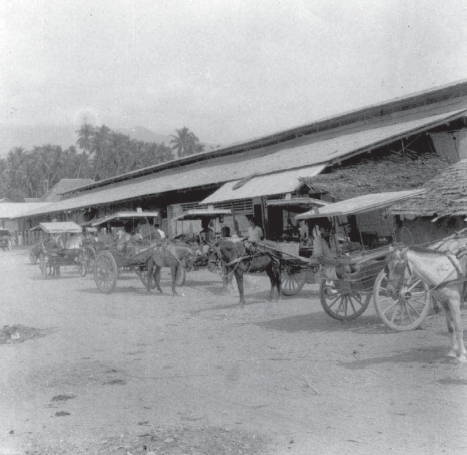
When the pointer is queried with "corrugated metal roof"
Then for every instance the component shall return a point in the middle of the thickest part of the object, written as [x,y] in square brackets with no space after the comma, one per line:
[360,204]
[263,185]
[16,209]
[300,153]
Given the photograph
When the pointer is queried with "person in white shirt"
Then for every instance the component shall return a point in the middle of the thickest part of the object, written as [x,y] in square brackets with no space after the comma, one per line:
[74,242]
[304,233]
[255,233]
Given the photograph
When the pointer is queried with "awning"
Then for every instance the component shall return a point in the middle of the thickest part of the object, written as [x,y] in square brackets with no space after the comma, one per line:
[197,214]
[360,204]
[125,216]
[262,185]
[59,227]
[298,202]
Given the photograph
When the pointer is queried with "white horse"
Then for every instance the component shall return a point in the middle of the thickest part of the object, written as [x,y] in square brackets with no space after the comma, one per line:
[442,273]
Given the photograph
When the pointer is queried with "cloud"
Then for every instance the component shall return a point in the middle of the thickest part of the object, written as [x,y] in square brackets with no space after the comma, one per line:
[227,70]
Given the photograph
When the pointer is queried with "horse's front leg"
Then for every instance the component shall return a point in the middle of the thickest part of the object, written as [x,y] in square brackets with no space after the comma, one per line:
[458,336]
[241,290]
[174,273]
[278,280]
[149,271]
[157,278]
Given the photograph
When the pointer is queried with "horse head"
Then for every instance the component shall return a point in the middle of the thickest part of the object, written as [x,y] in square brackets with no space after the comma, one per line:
[397,271]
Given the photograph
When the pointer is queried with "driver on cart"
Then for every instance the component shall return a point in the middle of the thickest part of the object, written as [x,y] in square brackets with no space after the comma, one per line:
[332,269]
[255,235]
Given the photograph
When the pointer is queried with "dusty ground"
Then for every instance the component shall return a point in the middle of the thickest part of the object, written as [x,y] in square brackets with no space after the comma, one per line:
[132,373]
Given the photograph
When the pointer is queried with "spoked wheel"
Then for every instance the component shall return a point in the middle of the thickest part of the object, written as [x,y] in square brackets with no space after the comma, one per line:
[143,276]
[88,256]
[82,263]
[406,312]
[181,276]
[32,257]
[340,302]
[43,265]
[105,272]
[292,280]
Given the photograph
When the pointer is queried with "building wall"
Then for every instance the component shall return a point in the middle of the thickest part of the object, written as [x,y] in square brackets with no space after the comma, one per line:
[424,231]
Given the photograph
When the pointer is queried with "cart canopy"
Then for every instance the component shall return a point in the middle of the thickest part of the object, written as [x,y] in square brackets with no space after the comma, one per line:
[197,214]
[59,227]
[361,204]
[125,216]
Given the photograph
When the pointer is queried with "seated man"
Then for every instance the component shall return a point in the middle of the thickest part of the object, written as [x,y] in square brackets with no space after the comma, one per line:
[206,235]
[332,269]
[255,235]
[123,240]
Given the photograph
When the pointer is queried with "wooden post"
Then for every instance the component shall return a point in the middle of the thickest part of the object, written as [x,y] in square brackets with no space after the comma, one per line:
[233,219]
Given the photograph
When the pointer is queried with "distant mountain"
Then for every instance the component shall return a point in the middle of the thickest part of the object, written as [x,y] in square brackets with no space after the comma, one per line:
[144,134]
[65,136]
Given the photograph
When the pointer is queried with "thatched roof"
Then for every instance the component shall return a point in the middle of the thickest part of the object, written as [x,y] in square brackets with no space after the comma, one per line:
[377,176]
[446,195]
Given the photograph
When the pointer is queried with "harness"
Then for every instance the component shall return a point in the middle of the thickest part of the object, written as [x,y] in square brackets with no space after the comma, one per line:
[406,266]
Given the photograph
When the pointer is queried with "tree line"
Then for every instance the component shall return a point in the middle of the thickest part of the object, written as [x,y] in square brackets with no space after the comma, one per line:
[99,153]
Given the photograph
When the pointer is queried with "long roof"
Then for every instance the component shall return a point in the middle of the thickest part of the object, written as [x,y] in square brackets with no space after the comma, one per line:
[438,99]
[297,154]
[17,209]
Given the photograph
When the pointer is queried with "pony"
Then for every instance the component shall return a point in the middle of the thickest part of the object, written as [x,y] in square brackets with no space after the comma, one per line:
[442,273]
[169,255]
[237,261]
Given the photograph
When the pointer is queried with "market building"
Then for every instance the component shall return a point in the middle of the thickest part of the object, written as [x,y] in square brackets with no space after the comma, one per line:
[396,145]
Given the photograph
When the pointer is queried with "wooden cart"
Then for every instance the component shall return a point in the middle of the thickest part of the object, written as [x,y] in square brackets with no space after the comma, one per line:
[349,296]
[109,262]
[52,255]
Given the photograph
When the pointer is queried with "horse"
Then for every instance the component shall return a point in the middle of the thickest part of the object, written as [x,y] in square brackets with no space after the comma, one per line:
[169,255]
[442,273]
[237,261]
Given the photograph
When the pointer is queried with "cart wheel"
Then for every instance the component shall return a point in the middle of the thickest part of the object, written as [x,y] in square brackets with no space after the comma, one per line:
[82,263]
[292,280]
[143,276]
[340,302]
[408,311]
[43,265]
[89,256]
[181,276]
[32,257]
[105,271]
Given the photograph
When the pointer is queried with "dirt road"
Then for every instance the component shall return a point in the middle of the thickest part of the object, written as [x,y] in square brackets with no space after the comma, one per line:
[132,373]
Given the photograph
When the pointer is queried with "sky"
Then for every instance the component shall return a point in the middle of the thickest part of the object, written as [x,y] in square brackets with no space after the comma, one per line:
[228,70]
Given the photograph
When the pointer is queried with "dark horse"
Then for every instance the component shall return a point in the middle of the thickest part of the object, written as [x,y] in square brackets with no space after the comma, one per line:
[169,255]
[237,260]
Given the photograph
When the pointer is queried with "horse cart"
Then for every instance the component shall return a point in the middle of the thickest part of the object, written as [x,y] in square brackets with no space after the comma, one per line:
[6,239]
[203,239]
[113,258]
[292,244]
[52,253]
[363,275]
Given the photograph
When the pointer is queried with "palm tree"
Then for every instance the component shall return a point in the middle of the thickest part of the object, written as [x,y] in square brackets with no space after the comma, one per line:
[180,141]
[84,142]
[100,147]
